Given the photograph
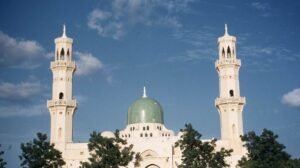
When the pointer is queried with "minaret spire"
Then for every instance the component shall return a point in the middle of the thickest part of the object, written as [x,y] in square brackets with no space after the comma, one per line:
[226,29]
[64,31]
[229,103]
[145,92]
[62,101]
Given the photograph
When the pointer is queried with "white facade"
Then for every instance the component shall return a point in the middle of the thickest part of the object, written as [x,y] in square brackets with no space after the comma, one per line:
[152,139]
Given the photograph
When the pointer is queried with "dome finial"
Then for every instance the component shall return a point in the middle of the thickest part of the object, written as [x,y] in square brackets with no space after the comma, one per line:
[145,92]
[64,31]
[226,29]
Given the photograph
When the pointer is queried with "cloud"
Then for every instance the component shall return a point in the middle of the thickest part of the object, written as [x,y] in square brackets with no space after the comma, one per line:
[20,99]
[101,21]
[120,15]
[19,53]
[292,98]
[87,63]
[23,110]
[202,43]
[261,57]
[259,5]
[20,90]
[264,8]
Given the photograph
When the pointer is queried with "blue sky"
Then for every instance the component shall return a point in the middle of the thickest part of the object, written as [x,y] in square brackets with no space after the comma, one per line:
[170,46]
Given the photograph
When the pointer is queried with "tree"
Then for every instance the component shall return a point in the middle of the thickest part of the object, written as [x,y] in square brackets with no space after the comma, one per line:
[199,154]
[2,162]
[40,153]
[109,152]
[265,151]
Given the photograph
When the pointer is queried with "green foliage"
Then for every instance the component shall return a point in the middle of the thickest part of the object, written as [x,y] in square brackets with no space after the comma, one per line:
[2,162]
[198,154]
[40,153]
[265,151]
[108,152]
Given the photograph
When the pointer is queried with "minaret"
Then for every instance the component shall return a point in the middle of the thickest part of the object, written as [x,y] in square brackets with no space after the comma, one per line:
[229,103]
[62,106]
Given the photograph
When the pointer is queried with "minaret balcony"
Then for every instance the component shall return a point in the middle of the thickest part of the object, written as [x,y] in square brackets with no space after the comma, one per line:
[231,100]
[68,64]
[225,62]
[69,103]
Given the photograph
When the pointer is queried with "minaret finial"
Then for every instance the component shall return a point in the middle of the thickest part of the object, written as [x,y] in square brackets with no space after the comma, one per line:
[226,29]
[145,92]
[64,31]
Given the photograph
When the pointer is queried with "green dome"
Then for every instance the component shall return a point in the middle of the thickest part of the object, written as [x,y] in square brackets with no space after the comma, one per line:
[145,110]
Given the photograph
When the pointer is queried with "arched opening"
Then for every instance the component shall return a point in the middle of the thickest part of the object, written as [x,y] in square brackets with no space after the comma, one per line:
[231,93]
[223,53]
[228,52]
[68,54]
[61,95]
[147,128]
[62,54]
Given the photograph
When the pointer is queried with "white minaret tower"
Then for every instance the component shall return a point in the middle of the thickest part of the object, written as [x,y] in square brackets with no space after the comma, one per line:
[229,103]
[62,106]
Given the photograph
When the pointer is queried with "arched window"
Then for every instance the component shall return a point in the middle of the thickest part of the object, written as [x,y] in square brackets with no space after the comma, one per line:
[68,54]
[228,52]
[147,128]
[62,54]
[61,95]
[223,53]
[231,93]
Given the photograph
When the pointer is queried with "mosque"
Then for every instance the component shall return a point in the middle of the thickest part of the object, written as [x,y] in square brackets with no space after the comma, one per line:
[145,127]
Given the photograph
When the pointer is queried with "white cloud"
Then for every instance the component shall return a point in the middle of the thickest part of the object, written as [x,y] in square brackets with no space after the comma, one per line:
[120,15]
[264,8]
[259,5]
[292,98]
[14,52]
[20,99]
[87,63]
[22,110]
[20,90]
[202,43]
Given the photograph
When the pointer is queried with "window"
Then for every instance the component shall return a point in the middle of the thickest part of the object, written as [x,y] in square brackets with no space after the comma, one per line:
[68,54]
[148,128]
[228,52]
[231,93]
[62,54]
[61,95]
